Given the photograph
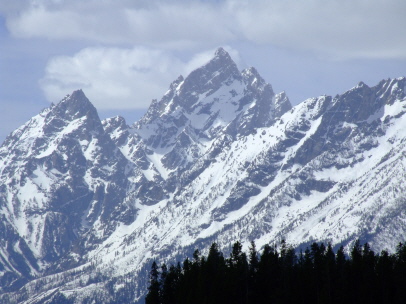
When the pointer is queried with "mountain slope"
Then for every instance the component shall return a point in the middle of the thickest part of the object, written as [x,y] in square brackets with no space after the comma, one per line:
[220,157]
[62,176]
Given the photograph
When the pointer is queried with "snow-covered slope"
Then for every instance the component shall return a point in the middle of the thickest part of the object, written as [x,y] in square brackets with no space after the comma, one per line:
[219,158]
[61,176]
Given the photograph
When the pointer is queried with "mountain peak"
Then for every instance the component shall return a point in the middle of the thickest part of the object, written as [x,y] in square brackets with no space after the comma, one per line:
[253,77]
[223,57]
[221,68]
[361,84]
[77,97]
[78,94]
[220,52]
[74,106]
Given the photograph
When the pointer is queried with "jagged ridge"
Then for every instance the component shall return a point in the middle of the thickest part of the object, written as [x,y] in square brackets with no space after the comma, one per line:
[220,157]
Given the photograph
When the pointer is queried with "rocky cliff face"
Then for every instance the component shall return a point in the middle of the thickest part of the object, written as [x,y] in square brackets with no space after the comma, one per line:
[61,176]
[220,157]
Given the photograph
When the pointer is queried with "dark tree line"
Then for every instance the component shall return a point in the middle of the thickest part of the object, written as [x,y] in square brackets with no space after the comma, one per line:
[282,275]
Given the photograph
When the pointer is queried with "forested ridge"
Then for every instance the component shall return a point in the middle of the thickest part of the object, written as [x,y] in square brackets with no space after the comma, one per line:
[280,274]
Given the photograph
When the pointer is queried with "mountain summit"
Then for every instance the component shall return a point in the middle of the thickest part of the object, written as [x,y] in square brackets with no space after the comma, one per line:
[87,205]
[74,106]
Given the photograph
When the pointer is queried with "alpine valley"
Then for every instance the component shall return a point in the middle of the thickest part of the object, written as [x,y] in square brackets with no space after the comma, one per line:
[86,205]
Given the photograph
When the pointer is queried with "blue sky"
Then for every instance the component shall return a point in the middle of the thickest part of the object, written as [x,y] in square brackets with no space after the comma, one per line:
[125,53]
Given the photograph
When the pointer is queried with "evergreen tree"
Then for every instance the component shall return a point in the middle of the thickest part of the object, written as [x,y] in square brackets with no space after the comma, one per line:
[355,272]
[238,275]
[341,283]
[368,286]
[269,275]
[329,274]
[287,272]
[164,288]
[153,296]
[214,276]
[253,296]
[316,275]
[399,273]
[170,283]
[386,283]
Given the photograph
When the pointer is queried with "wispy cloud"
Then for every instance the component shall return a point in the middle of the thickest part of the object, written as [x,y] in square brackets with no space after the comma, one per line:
[172,24]
[123,53]
[118,77]
[336,28]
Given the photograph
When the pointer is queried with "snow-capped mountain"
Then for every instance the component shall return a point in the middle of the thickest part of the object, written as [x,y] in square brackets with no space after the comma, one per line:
[61,175]
[87,204]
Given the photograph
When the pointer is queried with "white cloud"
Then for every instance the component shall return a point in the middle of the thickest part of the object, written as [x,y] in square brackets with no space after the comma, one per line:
[111,77]
[203,57]
[116,78]
[173,24]
[339,28]
[336,28]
